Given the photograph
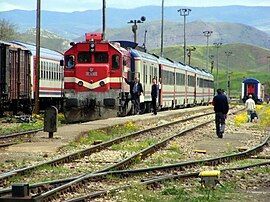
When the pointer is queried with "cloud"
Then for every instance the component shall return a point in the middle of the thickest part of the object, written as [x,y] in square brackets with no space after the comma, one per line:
[4,6]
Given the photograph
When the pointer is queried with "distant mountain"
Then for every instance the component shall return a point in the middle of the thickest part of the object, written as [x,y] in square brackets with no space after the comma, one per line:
[173,34]
[73,25]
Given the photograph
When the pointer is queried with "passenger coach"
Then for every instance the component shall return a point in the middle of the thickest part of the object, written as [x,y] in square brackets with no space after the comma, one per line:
[17,77]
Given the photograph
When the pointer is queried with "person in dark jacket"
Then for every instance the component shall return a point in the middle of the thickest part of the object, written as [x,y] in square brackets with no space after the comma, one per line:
[135,91]
[221,108]
[154,95]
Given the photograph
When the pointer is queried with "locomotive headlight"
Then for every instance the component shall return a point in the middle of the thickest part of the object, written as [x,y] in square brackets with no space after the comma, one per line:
[92,46]
[102,83]
[80,83]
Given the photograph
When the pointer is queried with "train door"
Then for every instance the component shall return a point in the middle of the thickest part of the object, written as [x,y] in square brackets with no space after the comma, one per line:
[195,88]
[186,87]
[160,85]
[250,89]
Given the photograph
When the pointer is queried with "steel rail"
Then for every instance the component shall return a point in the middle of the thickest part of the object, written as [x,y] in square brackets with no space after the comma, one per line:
[142,154]
[7,144]
[12,135]
[178,166]
[93,149]
[159,179]
[128,161]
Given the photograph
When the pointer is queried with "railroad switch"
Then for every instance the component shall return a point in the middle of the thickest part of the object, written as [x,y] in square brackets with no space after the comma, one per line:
[209,178]
[20,193]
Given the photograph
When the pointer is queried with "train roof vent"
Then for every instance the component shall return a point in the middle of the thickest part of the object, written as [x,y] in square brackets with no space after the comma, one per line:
[93,37]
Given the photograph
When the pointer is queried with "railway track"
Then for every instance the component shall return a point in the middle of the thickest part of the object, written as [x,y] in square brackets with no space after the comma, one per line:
[106,176]
[8,139]
[71,184]
[158,179]
[93,149]
[142,154]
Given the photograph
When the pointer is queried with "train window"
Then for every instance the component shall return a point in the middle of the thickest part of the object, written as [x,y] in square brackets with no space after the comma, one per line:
[115,61]
[41,70]
[47,70]
[101,57]
[84,57]
[69,61]
[155,72]
[145,73]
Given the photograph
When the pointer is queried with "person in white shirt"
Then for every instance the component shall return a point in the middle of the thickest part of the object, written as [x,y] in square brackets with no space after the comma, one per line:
[250,106]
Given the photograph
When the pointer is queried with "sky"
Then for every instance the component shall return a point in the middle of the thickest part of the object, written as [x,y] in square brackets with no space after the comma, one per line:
[81,5]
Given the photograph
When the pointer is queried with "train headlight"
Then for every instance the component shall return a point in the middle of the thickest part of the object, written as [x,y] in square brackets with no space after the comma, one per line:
[102,83]
[92,46]
[80,83]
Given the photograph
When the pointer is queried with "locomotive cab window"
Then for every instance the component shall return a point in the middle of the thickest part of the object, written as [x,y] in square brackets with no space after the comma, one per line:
[84,57]
[101,57]
[70,61]
[115,61]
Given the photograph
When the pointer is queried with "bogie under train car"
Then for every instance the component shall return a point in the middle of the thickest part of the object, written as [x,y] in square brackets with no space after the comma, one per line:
[251,86]
[17,77]
[95,88]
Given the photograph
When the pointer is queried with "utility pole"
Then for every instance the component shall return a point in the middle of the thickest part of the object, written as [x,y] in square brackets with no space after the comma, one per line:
[228,54]
[207,34]
[184,12]
[212,63]
[189,50]
[162,28]
[144,40]
[37,66]
[229,90]
[135,26]
[104,20]
[217,45]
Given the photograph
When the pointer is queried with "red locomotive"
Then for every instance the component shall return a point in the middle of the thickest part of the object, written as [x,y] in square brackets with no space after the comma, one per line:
[94,86]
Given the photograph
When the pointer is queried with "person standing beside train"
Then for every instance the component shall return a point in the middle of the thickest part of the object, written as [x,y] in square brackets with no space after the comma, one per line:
[221,108]
[250,107]
[154,95]
[135,91]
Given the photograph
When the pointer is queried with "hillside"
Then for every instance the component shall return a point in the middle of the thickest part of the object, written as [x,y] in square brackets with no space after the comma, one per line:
[246,61]
[173,34]
[48,40]
[73,25]
[244,58]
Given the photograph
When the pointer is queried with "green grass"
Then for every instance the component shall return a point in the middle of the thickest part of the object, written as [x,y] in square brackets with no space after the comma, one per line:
[20,127]
[246,61]
[133,146]
[102,135]
[175,192]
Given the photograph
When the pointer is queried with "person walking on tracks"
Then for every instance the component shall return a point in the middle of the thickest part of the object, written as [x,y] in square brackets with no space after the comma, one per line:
[250,106]
[135,91]
[221,108]
[154,95]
